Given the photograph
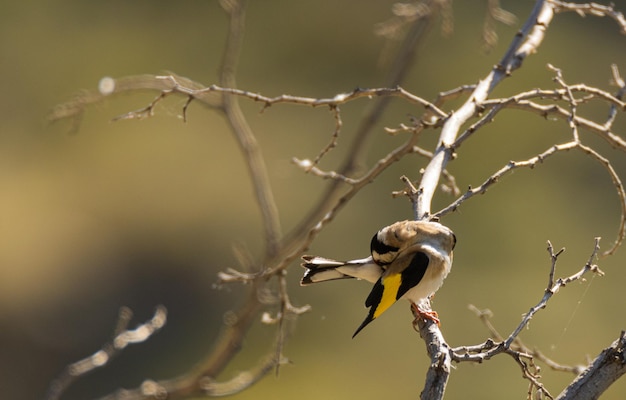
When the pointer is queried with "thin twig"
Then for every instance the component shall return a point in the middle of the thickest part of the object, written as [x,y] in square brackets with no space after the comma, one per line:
[594,9]
[531,163]
[121,339]
[619,81]
[521,101]
[621,192]
[335,101]
[495,177]
[490,348]
[570,99]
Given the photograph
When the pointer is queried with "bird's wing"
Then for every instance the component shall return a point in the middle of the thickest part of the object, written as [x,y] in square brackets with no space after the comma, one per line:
[403,274]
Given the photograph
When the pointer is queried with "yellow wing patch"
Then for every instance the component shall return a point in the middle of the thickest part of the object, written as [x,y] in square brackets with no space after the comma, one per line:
[391,285]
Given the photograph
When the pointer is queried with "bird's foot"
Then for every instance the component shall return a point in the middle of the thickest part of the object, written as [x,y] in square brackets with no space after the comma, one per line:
[425,314]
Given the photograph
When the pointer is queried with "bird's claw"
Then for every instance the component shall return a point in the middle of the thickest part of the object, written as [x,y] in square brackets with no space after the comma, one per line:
[425,314]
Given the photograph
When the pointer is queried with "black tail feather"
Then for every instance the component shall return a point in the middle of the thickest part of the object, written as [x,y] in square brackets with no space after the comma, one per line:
[368,319]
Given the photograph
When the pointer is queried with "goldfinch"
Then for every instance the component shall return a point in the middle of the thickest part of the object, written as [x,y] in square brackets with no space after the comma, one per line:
[409,259]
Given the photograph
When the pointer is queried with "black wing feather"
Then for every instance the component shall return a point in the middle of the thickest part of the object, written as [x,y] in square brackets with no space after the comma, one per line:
[413,274]
[410,277]
[372,301]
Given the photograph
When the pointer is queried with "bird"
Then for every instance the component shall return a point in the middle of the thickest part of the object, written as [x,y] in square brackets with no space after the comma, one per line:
[408,259]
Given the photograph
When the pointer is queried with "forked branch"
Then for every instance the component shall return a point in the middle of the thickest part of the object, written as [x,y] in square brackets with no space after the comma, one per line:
[281,250]
[509,345]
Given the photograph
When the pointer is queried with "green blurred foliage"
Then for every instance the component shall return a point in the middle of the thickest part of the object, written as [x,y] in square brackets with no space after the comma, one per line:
[140,213]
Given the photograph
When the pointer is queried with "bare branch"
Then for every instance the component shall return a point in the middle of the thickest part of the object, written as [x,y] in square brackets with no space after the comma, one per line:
[494,178]
[175,85]
[521,101]
[300,246]
[609,366]
[121,339]
[442,355]
[281,250]
[75,108]
[245,137]
[553,288]
[518,345]
[334,138]
[531,163]
[570,99]
[532,32]
[491,348]
[594,9]
[440,358]
[240,382]
[617,182]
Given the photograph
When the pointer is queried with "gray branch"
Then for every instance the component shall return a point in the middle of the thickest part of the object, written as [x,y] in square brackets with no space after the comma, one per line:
[608,367]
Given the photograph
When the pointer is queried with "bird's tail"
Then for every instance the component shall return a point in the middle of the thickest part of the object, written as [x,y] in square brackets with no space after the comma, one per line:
[320,269]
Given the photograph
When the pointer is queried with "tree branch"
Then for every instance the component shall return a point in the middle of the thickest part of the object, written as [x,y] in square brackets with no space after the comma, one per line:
[245,137]
[490,348]
[608,367]
[533,33]
[122,337]
[440,358]
[281,251]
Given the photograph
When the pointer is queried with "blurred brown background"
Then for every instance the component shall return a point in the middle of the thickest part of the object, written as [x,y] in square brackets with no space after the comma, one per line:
[141,213]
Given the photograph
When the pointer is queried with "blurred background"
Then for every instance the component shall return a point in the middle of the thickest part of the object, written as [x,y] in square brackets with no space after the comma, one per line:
[142,213]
